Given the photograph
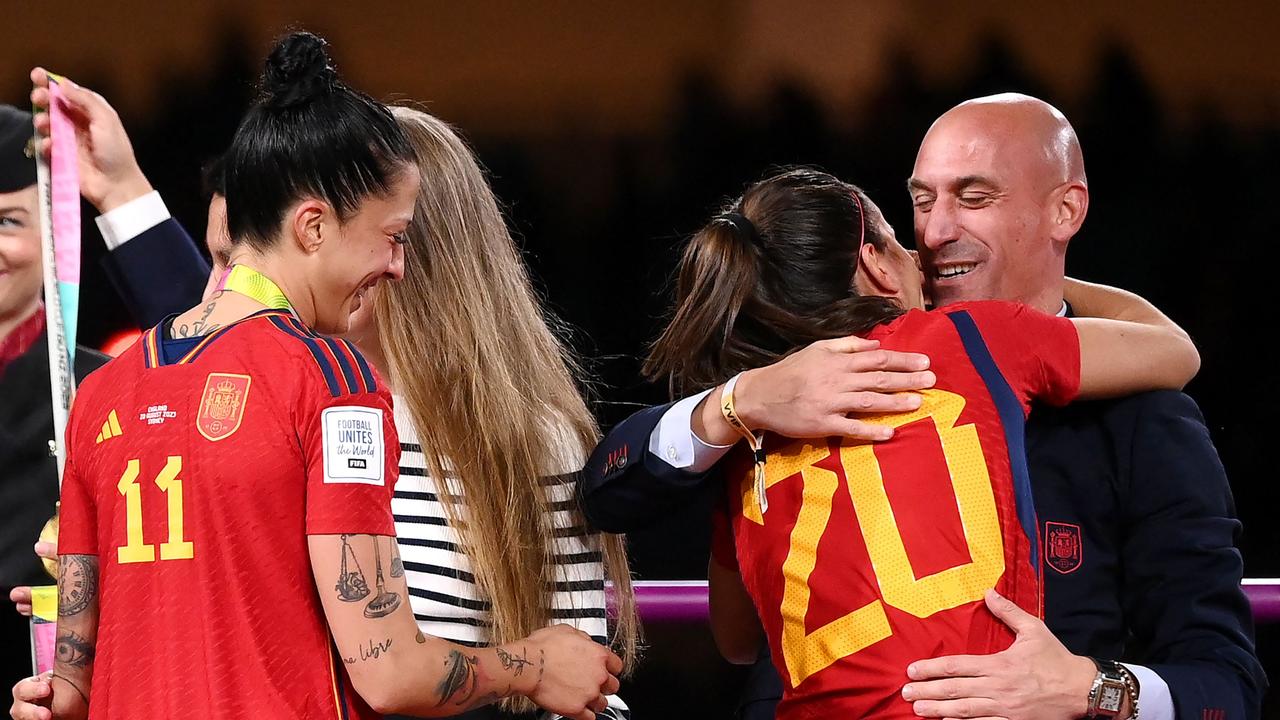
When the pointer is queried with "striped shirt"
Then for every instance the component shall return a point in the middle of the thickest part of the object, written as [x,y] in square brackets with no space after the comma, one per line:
[446,601]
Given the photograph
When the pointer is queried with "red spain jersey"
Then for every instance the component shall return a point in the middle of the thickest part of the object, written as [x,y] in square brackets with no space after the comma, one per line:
[196,471]
[869,557]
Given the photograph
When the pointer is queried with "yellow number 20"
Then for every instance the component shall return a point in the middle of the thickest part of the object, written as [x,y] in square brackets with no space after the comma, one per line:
[135,549]
[805,653]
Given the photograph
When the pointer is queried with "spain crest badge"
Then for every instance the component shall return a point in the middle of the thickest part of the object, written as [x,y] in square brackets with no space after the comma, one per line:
[1062,547]
[222,405]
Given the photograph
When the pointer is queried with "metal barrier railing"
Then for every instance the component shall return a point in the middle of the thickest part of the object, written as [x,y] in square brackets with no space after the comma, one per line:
[670,601]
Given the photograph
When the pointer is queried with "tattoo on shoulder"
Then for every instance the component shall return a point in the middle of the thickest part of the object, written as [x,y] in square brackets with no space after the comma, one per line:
[459,683]
[513,662]
[72,649]
[77,583]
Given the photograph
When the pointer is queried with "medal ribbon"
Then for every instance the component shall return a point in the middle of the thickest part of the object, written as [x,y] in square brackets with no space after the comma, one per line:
[251,283]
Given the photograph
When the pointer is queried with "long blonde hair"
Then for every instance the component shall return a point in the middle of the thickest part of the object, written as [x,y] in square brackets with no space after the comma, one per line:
[490,388]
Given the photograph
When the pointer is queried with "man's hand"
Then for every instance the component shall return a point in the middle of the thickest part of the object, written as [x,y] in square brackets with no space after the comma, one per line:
[31,698]
[811,393]
[21,596]
[109,173]
[1035,679]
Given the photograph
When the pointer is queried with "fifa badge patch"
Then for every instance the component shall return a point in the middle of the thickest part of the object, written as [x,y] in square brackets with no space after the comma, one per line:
[353,445]
[1063,549]
[222,405]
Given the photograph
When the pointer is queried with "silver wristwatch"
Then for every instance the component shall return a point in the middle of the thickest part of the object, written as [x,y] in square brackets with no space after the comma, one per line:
[1110,686]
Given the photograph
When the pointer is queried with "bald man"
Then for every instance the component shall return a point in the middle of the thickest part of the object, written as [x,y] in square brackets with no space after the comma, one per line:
[1136,518]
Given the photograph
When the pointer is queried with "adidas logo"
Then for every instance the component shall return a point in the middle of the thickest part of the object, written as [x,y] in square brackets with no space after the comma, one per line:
[110,428]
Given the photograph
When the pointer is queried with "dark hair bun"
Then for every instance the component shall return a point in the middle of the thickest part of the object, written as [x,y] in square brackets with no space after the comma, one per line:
[298,70]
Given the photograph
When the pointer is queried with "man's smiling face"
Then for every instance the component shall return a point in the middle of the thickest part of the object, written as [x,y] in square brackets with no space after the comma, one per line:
[981,193]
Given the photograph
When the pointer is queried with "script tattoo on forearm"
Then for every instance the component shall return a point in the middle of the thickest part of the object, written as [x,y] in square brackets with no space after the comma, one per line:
[372,651]
[73,650]
[459,683]
[77,584]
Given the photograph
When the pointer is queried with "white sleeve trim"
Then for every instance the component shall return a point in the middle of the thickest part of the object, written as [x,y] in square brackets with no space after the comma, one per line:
[675,442]
[1154,698]
[131,219]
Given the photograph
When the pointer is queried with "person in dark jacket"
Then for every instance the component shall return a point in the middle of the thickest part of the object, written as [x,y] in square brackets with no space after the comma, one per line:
[1135,513]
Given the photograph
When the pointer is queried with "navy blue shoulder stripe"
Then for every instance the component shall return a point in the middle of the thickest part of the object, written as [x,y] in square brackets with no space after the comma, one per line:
[326,368]
[366,373]
[348,373]
[1011,419]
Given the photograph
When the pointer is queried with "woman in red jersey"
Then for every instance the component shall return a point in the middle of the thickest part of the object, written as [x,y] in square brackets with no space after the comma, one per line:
[227,539]
[851,559]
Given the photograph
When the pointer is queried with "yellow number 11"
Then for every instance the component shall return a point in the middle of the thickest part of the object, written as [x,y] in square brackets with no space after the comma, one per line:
[135,550]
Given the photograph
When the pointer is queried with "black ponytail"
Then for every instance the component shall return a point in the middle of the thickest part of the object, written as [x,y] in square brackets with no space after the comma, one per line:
[308,135]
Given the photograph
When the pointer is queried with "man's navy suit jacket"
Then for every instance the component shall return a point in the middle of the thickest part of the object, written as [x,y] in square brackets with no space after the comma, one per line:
[1138,526]
[157,273]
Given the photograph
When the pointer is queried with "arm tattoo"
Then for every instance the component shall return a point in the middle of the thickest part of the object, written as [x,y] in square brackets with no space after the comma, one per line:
[77,688]
[511,661]
[351,583]
[77,583]
[459,679]
[72,649]
[384,603]
[370,652]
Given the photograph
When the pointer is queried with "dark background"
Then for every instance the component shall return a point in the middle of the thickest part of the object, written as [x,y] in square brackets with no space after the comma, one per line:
[613,130]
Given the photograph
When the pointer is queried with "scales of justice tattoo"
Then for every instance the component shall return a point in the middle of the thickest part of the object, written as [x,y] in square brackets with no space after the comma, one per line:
[353,586]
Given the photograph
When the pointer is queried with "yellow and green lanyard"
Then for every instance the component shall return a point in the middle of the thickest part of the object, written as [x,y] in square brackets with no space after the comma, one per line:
[253,284]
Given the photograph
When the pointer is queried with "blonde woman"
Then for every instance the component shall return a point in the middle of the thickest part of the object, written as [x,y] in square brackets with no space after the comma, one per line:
[485,398]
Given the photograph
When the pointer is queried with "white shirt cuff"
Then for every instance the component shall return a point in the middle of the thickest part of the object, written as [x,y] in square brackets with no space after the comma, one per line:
[131,219]
[674,441]
[1154,699]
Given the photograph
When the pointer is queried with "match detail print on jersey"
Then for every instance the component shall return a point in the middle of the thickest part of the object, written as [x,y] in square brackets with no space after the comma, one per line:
[353,445]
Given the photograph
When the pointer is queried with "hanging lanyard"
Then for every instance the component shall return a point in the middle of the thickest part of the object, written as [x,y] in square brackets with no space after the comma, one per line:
[253,284]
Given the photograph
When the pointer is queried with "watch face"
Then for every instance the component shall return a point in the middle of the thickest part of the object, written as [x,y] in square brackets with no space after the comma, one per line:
[1111,697]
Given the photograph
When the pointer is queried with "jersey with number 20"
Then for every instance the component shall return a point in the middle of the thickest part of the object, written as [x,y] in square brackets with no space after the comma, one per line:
[871,556]
[196,471]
